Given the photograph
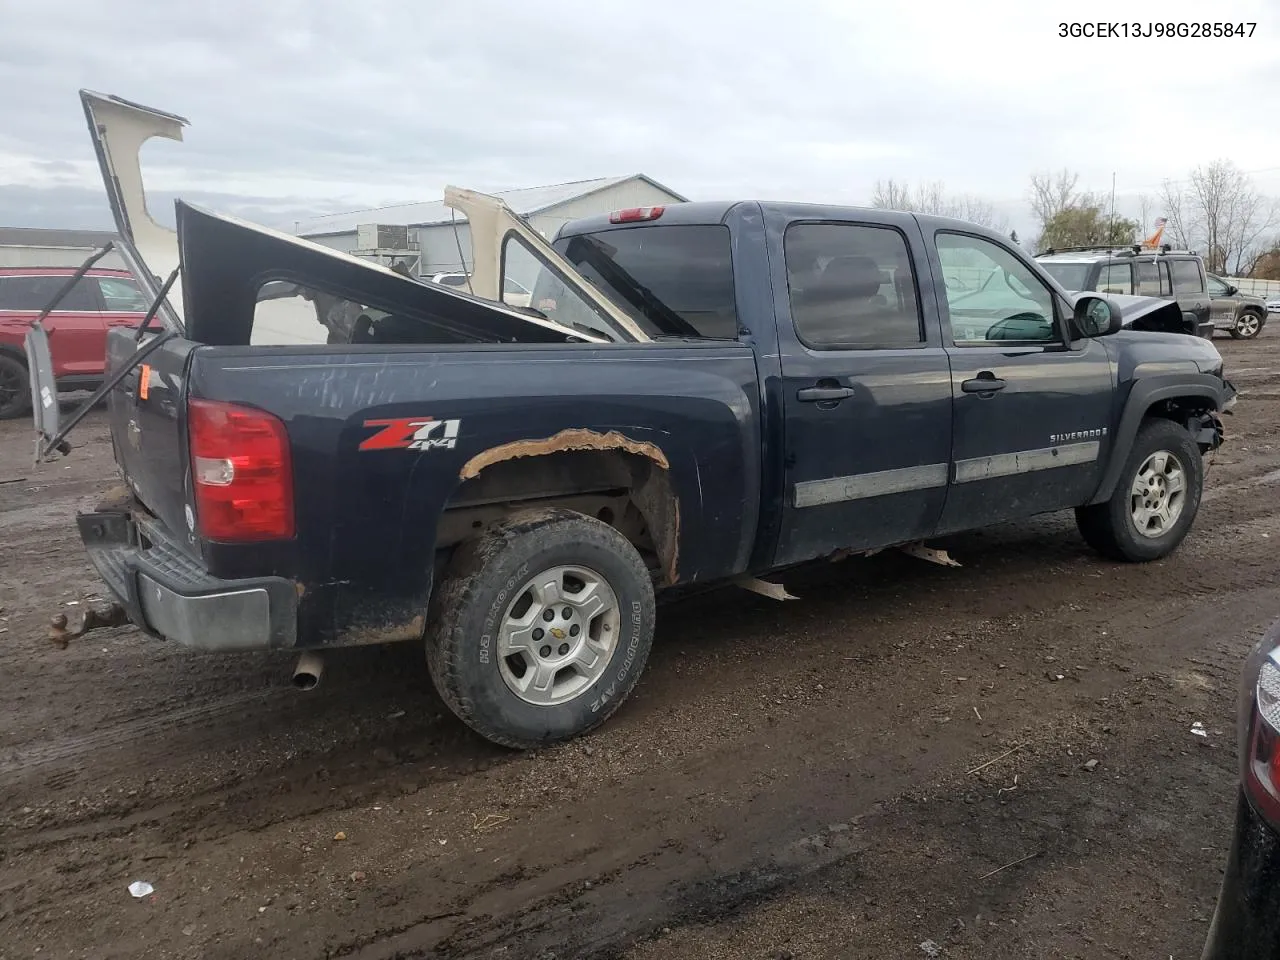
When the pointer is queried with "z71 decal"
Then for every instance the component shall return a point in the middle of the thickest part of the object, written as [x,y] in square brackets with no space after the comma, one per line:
[413,433]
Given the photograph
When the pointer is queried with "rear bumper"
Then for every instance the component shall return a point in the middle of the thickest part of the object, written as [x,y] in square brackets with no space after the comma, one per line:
[169,595]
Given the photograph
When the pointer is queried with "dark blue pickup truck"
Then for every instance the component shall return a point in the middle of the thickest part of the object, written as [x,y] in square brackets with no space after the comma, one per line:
[695,394]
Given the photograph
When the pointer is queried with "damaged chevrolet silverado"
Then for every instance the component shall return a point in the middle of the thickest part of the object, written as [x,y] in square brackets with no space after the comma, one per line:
[697,394]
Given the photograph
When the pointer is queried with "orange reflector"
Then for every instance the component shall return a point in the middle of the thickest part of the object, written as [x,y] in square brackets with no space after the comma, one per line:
[144,381]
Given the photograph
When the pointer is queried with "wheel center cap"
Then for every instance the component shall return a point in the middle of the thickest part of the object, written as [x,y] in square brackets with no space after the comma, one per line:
[558,633]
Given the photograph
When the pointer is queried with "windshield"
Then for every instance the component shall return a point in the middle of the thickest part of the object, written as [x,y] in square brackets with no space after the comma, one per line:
[1072,276]
[673,280]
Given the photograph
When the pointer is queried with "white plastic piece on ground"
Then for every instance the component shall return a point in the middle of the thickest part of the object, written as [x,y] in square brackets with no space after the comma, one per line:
[140,889]
[1198,729]
[930,949]
[920,551]
[774,591]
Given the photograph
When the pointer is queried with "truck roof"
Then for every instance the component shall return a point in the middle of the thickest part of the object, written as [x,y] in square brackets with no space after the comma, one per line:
[709,212]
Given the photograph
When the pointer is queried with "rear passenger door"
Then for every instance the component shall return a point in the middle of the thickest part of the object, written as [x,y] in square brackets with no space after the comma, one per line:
[1032,409]
[866,387]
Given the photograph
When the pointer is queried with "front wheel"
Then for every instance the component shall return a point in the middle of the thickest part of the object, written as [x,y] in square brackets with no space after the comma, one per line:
[1248,325]
[541,628]
[1156,498]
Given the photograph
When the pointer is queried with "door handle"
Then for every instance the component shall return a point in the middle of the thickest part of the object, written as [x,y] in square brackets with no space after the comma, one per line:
[985,382]
[820,394]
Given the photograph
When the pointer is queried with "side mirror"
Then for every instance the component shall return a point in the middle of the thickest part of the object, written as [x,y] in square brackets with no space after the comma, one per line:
[1232,290]
[1097,316]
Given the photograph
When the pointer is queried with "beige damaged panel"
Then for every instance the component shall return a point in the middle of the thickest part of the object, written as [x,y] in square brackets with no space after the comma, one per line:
[490,221]
[577,438]
[121,129]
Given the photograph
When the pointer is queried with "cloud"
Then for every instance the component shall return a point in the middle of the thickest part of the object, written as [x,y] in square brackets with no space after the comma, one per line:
[300,108]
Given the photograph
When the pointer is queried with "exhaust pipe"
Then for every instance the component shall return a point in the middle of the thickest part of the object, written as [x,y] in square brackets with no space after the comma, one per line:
[310,668]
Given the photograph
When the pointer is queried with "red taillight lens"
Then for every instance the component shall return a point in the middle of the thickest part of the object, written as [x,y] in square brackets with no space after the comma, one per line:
[635,214]
[241,472]
[1262,757]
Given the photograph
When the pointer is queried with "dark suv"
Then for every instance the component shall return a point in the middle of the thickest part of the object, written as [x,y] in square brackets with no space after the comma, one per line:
[1240,314]
[1132,271]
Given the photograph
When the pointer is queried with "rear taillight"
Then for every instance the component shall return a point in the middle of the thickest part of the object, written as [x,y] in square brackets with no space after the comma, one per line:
[635,214]
[241,472]
[1260,728]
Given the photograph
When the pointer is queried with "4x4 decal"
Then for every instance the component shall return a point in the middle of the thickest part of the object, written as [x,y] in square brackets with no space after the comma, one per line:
[412,433]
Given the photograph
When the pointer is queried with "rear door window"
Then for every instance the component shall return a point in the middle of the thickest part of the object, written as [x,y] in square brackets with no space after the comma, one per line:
[35,293]
[674,280]
[122,296]
[1187,278]
[852,286]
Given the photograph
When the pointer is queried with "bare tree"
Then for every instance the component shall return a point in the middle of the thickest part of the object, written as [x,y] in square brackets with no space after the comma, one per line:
[1144,214]
[1221,212]
[1175,213]
[932,198]
[891,195]
[1052,193]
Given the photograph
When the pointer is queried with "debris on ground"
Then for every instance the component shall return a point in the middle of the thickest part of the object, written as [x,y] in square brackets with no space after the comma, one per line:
[1090,765]
[340,835]
[930,949]
[140,889]
[1198,729]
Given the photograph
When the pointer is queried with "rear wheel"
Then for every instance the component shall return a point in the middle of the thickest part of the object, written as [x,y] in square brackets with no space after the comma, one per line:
[541,628]
[1248,325]
[15,389]
[1155,500]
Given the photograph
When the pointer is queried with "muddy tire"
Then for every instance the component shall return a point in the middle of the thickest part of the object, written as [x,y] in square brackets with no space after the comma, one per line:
[540,628]
[1248,325]
[1155,500]
[15,389]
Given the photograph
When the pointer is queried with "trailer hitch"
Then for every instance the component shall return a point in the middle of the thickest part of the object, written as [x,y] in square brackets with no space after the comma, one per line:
[95,618]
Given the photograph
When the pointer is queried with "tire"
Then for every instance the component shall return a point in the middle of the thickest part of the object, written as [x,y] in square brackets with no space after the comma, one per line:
[15,388]
[1112,529]
[1248,325]
[471,656]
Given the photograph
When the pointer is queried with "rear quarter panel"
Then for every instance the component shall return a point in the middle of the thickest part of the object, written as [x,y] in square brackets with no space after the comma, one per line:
[367,519]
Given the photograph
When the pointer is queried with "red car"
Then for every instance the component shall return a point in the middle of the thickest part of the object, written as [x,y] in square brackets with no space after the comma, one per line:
[77,329]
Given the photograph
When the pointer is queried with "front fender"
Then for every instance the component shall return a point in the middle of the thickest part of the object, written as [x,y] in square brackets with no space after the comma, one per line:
[1144,395]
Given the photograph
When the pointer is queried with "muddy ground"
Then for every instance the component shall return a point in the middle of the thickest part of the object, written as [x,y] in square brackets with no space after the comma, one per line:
[789,780]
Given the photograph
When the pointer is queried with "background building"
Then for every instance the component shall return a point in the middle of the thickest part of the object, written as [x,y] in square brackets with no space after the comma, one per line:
[430,242]
[35,247]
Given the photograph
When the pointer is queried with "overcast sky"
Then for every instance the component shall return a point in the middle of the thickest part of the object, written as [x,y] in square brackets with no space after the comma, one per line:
[302,108]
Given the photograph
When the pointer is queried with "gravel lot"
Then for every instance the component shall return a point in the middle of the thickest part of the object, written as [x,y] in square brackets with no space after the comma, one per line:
[791,780]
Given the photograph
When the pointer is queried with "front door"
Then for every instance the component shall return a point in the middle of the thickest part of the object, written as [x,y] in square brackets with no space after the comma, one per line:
[1032,410]
[1222,305]
[866,388]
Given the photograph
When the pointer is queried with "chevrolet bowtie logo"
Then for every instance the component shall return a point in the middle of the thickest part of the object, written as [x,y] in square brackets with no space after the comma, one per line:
[557,633]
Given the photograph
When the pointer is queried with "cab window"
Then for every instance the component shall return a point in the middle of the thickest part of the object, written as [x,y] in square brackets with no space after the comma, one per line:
[851,286]
[992,296]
